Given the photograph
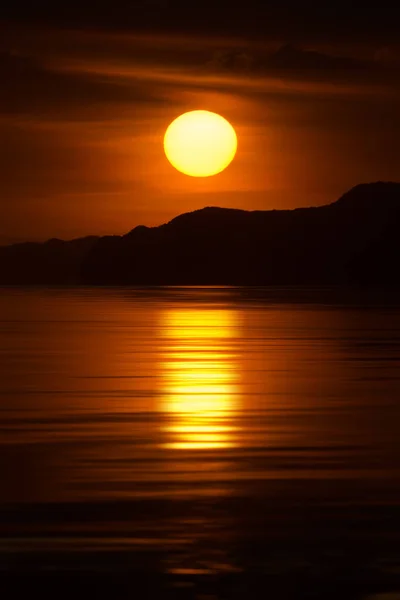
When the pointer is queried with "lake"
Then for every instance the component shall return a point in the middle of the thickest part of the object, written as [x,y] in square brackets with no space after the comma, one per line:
[202,442]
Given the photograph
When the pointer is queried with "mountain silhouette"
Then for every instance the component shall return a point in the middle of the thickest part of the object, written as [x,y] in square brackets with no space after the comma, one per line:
[352,241]
[54,262]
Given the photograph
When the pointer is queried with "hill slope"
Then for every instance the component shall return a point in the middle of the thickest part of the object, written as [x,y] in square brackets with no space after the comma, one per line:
[354,240]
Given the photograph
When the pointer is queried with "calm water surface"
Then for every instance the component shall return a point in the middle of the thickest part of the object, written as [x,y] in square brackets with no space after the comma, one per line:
[209,431]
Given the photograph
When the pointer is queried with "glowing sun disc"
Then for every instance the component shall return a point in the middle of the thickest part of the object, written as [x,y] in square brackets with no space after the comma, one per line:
[200,143]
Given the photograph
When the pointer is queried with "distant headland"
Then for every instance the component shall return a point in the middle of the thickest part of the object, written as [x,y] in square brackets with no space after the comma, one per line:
[355,240]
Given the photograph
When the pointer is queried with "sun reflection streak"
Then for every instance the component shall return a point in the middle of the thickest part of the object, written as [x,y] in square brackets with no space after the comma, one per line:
[200,377]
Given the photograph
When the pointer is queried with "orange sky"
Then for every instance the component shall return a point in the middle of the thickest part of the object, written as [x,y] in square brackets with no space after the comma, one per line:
[83,115]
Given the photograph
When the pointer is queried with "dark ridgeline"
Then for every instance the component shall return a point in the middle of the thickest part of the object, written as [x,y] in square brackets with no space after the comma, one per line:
[54,262]
[352,241]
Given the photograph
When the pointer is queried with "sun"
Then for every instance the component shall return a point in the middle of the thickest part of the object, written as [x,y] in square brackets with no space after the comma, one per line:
[200,143]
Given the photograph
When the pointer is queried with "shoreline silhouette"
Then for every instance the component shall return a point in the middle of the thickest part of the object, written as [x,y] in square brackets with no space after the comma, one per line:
[351,241]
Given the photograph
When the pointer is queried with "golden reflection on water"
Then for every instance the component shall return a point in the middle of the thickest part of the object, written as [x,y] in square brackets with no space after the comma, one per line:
[200,377]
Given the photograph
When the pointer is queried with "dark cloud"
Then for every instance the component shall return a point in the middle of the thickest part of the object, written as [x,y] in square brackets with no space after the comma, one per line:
[76,74]
[291,69]
[237,60]
[29,88]
[292,57]
[295,59]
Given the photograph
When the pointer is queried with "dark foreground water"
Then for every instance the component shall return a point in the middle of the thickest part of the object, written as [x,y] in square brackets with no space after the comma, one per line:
[201,443]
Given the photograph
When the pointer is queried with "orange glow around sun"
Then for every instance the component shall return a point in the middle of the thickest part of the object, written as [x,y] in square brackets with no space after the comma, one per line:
[200,143]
